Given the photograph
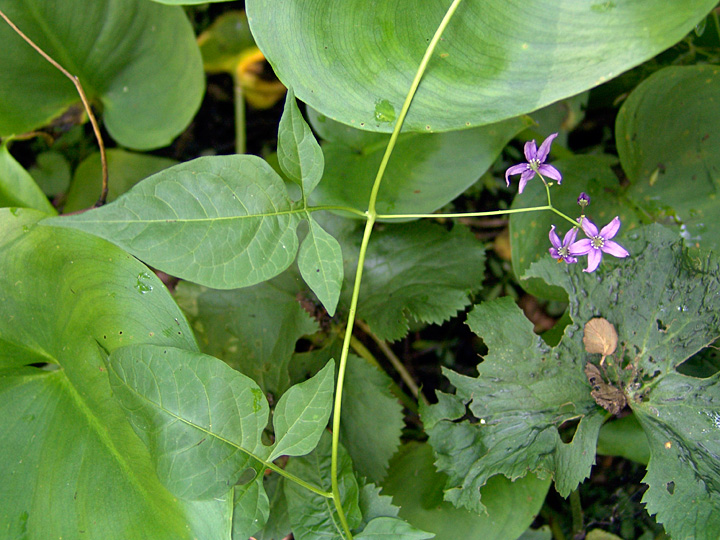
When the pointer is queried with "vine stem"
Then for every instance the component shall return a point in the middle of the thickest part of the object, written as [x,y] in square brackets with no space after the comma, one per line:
[371,216]
[74,79]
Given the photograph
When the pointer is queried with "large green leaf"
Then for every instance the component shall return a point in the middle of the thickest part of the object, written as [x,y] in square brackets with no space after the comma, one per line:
[417,487]
[497,59]
[138,60]
[222,221]
[74,468]
[17,187]
[253,329]
[671,159]
[425,173]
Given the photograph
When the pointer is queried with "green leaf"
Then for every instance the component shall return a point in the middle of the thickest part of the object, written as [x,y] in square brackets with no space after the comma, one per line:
[125,169]
[372,418]
[529,231]
[425,173]
[417,487]
[278,524]
[670,159]
[51,172]
[221,221]
[301,415]
[321,265]
[17,187]
[251,508]
[355,65]
[391,529]
[65,298]
[299,154]
[624,437]
[253,329]
[524,392]
[418,271]
[136,59]
[311,515]
[201,420]
[226,42]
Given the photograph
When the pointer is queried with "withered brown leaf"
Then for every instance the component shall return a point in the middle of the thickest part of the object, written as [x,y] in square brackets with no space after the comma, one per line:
[606,395]
[600,337]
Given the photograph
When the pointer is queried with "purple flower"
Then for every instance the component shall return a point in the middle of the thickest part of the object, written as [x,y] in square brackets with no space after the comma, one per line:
[583,199]
[535,164]
[596,243]
[560,250]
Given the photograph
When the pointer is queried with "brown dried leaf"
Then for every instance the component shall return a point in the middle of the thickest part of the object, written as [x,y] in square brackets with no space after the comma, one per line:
[606,395]
[600,337]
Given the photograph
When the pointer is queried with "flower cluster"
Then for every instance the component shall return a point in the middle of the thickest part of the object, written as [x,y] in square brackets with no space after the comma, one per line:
[569,249]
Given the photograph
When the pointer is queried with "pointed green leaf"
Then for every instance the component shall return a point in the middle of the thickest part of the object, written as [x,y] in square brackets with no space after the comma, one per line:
[254,329]
[372,418]
[417,487]
[313,516]
[251,508]
[138,59]
[221,221]
[321,265]
[278,524]
[426,171]
[65,297]
[17,187]
[201,420]
[391,529]
[355,64]
[301,415]
[672,160]
[299,154]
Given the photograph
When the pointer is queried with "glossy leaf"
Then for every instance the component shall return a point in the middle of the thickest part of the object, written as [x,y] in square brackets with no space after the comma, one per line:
[17,187]
[302,413]
[201,420]
[254,329]
[417,488]
[425,173]
[125,169]
[299,154]
[320,262]
[670,159]
[136,59]
[495,61]
[372,418]
[221,221]
[61,311]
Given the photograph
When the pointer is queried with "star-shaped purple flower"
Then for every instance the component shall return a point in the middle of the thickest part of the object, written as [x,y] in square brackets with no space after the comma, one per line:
[561,250]
[598,243]
[535,164]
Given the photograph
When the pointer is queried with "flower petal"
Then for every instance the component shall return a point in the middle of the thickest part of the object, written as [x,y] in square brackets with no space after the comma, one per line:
[554,253]
[611,229]
[550,172]
[594,258]
[530,150]
[581,247]
[570,260]
[570,236]
[613,248]
[525,178]
[515,169]
[542,154]
[589,227]
[555,239]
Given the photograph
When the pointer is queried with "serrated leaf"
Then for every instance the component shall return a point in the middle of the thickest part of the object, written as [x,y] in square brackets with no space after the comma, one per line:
[374,505]
[202,420]
[411,182]
[65,297]
[299,154]
[311,515]
[671,160]
[417,487]
[391,529]
[17,187]
[415,271]
[524,392]
[320,262]
[221,221]
[301,415]
[355,64]
[254,329]
[251,508]
[372,418]
[137,59]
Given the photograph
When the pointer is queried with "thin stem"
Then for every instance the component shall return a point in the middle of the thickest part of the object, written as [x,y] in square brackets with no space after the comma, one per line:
[359,213]
[85,102]
[297,480]
[464,214]
[395,361]
[240,145]
[551,207]
[577,512]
